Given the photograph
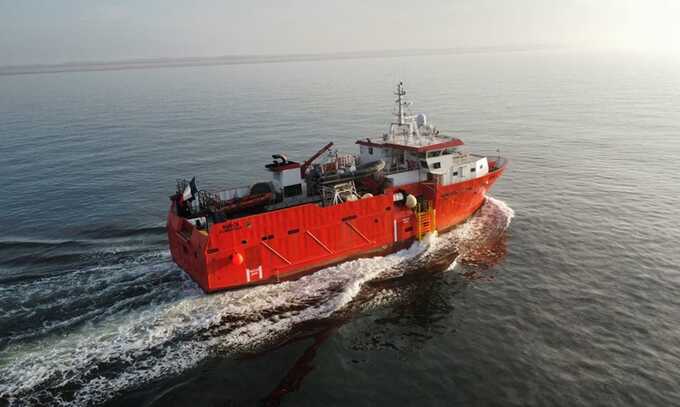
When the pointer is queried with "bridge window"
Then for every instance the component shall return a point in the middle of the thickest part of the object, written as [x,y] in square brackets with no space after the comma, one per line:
[423,164]
[292,190]
[437,165]
[473,169]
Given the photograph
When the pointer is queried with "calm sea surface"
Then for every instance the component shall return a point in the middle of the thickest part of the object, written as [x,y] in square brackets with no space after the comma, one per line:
[562,290]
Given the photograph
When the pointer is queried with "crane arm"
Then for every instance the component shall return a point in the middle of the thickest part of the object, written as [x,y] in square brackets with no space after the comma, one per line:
[311,159]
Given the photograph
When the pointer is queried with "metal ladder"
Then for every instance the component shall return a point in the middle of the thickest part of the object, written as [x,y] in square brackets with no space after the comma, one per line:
[426,221]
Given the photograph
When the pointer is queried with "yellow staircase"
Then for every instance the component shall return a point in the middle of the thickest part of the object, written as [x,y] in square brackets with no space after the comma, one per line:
[425,221]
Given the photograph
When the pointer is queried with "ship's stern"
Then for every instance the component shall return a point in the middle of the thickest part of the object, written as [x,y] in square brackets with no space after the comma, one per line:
[187,247]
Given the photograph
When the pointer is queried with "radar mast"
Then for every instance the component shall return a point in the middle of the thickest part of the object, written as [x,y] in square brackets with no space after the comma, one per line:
[401,104]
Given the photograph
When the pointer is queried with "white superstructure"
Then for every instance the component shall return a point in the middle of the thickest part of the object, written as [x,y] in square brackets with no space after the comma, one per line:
[414,151]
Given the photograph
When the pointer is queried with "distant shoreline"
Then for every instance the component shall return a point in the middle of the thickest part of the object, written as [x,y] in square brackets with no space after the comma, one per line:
[10,70]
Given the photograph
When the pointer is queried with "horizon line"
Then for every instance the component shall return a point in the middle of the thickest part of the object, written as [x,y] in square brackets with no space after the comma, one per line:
[241,59]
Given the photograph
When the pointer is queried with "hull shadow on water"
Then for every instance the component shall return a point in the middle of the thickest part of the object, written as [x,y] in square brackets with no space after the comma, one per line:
[418,300]
[417,294]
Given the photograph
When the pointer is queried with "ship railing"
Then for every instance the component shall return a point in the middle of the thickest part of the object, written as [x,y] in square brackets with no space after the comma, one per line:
[232,193]
[208,200]
[341,161]
[496,161]
[408,165]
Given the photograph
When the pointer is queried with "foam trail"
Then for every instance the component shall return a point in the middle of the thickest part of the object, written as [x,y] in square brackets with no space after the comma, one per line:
[168,338]
[94,362]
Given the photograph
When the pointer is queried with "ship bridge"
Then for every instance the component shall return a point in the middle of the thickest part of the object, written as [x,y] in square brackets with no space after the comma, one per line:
[414,151]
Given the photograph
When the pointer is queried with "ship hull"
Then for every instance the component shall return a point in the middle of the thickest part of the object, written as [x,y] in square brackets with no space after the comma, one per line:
[286,243]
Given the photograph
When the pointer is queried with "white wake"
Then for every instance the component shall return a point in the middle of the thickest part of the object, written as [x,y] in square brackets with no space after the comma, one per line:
[103,359]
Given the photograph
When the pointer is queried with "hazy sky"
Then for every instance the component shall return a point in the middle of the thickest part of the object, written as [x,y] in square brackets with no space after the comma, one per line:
[49,31]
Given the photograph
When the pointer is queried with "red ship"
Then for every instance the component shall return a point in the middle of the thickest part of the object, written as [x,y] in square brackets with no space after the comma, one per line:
[401,186]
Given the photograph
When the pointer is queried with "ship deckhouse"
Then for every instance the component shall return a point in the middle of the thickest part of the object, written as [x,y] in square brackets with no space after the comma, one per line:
[286,176]
[414,151]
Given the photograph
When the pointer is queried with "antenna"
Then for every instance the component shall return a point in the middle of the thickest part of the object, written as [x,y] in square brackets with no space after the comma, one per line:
[401,103]
[403,129]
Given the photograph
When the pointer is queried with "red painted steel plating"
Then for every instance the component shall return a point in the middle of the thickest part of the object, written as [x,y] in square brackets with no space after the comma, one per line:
[284,243]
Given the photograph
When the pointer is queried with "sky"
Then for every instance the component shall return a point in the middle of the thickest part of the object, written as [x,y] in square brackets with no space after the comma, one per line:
[59,31]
